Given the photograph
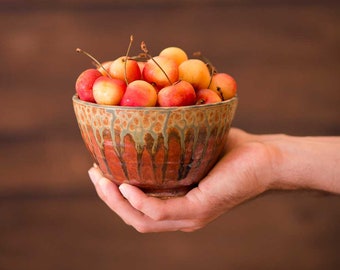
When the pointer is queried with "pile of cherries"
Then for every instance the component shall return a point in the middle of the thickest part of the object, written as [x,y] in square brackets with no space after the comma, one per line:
[166,80]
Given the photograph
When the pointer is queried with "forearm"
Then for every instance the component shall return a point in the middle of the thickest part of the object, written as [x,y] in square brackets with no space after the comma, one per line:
[307,163]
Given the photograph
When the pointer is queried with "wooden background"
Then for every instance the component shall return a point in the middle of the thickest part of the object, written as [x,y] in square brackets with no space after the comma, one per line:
[285,57]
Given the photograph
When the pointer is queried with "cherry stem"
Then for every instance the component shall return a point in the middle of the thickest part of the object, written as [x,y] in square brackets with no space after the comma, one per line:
[200,101]
[97,63]
[142,57]
[127,58]
[146,51]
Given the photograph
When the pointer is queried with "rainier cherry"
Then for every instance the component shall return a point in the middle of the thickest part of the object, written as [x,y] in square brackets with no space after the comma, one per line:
[196,72]
[117,69]
[179,94]
[167,80]
[224,85]
[141,65]
[206,96]
[85,83]
[175,53]
[139,93]
[153,74]
[108,91]
[104,67]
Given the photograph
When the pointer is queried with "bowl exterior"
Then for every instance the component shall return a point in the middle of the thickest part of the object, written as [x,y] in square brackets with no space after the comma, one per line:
[163,151]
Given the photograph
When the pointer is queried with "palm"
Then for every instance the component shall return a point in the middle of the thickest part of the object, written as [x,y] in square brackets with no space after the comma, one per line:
[234,179]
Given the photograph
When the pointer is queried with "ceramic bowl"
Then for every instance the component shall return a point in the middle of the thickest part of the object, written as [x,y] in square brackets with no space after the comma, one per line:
[163,151]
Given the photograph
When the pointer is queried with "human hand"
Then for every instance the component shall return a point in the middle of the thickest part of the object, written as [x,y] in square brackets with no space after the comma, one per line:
[249,165]
[241,173]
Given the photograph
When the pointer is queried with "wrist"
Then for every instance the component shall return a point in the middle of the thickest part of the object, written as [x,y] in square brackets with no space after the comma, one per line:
[305,163]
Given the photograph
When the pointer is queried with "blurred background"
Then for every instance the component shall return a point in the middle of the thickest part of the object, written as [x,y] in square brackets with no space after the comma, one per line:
[285,56]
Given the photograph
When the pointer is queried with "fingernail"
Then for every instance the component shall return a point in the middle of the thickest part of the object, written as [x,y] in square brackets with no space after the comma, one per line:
[93,176]
[122,189]
[103,182]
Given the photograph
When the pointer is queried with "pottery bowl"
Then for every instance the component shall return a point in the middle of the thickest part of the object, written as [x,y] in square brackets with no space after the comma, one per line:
[163,151]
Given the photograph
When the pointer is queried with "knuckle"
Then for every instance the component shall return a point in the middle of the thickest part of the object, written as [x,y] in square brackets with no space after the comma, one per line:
[158,215]
[101,195]
[194,226]
[153,210]
[141,228]
[138,204]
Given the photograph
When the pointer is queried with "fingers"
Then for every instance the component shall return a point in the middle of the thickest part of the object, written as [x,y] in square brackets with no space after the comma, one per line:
[138,213]
[111,195]
[216,194]
[159,209]
[235,137]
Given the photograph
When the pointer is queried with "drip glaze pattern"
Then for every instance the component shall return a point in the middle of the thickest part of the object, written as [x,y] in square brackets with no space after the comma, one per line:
[163,151]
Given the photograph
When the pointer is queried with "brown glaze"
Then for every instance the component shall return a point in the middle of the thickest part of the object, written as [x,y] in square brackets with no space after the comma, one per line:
[164,151]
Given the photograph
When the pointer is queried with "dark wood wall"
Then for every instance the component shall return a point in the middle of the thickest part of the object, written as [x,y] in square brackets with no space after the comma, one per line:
[285,57]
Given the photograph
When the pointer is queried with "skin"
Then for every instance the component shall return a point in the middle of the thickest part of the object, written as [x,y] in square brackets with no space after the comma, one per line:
[85,83]
[255,164]
[224,85]
[206,96]
[179,94]
[139,93]
[175,53]
[153,74]
[195,72]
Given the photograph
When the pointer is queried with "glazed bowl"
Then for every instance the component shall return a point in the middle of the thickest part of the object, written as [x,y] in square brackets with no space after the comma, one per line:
[165,151]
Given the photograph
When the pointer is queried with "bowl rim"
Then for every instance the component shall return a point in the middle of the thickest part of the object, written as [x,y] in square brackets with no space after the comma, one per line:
[76,99]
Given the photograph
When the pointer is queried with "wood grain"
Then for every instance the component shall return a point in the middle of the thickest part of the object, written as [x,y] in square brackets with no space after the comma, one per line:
[285,58]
